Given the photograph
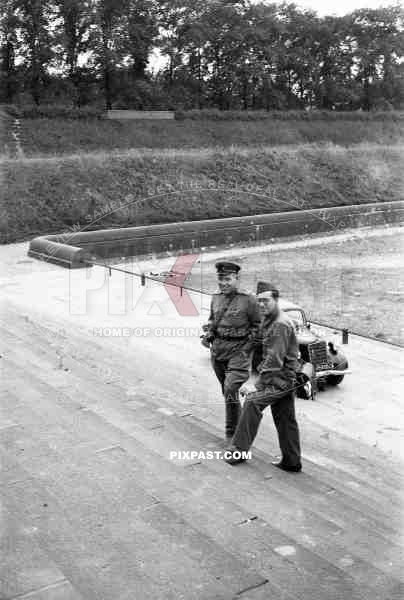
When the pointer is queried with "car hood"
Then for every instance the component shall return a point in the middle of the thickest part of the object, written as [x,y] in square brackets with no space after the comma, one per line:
[306,337]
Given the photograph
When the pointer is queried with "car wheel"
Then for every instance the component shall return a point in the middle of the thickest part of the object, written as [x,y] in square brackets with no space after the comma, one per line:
[336,379]
[309,390]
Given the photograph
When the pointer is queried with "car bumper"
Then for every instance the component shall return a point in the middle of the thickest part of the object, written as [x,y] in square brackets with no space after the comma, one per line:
[333,372]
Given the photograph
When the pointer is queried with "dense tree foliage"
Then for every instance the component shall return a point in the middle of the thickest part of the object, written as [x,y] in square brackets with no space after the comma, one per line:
[225,54]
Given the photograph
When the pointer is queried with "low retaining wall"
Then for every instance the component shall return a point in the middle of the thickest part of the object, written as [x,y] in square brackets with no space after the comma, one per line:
[76,249]
[139,114]
[57,252]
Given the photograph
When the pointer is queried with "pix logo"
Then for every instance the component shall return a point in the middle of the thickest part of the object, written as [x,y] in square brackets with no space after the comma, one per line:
[124,289]
[183,303]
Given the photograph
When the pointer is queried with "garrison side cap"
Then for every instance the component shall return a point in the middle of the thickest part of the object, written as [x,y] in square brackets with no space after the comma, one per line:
[265,286]
[224,267]
[267,294]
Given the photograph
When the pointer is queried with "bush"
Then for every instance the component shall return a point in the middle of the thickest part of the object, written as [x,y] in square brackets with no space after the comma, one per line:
[290,115]
[55,111]
[12,110]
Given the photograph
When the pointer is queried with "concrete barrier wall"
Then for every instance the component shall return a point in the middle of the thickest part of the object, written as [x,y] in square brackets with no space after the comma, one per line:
[139,114]
[73,250]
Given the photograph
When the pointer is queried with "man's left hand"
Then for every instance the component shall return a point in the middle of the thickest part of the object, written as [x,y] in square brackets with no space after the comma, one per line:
[206,340]
[247,388]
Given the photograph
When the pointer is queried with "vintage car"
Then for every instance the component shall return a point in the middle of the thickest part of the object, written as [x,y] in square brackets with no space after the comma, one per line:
[321,362]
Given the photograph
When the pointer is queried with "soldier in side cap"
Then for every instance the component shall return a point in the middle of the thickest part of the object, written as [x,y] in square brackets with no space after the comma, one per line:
[232,328]
[274,387]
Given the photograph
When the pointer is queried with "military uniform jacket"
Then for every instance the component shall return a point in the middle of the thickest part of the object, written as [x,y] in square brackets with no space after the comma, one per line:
[280,353]
[234,322]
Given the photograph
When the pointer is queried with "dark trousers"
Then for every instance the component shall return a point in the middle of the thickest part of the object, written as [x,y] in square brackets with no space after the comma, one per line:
[283,413]
[231,373]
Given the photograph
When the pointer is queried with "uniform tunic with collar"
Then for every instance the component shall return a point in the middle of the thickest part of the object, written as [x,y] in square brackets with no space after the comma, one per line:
[238,326]
[280,353]
[233,326]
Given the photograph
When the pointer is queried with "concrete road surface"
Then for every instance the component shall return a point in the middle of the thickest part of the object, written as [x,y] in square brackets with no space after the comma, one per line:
[102,381]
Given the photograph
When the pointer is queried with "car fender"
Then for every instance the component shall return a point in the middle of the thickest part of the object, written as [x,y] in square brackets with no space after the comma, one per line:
[337,358]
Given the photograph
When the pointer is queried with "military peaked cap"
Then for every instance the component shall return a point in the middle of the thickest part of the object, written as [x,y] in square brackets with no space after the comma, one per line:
[223,268]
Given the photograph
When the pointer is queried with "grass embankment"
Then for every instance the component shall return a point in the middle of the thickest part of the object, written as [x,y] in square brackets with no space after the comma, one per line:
[49,196]
[58,136]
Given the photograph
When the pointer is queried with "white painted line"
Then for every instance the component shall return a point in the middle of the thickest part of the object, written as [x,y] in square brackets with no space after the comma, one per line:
[165,411]
[285,550]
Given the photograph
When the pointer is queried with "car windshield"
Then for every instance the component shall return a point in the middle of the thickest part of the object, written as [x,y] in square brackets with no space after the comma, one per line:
[297,316]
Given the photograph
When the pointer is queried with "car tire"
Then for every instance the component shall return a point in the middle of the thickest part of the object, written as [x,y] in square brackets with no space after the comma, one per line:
[305,385]
[336,379]
[309,388]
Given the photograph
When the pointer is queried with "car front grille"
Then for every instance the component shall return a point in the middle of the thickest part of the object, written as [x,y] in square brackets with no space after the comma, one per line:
[318,355]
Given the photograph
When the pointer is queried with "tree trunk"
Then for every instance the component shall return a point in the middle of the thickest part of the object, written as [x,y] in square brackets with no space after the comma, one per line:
[8,65]
[35,83]
[107,69]
[245,93]
[107,87]
[366,90]
[199,80]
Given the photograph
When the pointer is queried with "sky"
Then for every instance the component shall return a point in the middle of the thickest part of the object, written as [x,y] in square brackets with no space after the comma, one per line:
[341,7]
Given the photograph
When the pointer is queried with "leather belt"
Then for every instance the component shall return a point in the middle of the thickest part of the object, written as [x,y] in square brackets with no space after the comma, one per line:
[228,338]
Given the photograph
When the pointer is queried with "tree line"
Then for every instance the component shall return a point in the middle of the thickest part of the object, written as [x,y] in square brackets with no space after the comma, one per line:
[225,54]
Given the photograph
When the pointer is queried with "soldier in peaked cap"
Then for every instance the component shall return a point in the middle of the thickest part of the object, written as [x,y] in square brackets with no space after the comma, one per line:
[233,326]
[223,267]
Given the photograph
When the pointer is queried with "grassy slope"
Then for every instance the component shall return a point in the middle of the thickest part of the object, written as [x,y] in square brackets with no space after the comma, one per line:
[46,196]
[42,196]
[63,136]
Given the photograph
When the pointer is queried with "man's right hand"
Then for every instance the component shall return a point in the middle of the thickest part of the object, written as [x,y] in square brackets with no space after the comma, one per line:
[247,388]
[206,340]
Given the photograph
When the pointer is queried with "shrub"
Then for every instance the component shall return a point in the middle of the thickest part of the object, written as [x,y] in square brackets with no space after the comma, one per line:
[55,111]
[12,110]
[290,115]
